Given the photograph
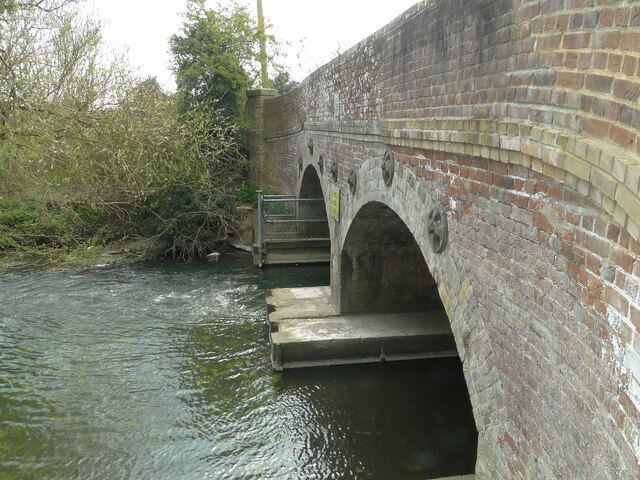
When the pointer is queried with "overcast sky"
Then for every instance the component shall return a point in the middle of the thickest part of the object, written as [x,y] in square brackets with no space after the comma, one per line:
[317,30]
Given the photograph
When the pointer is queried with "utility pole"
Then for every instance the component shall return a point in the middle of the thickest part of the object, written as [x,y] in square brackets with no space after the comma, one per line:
[263,47]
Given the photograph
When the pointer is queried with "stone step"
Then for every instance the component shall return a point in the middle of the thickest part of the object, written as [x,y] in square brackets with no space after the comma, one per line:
[298,256]
[297,242]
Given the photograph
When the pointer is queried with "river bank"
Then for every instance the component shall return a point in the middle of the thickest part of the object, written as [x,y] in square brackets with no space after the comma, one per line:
[93,256]
[82,256]
[70,257]
[61,259]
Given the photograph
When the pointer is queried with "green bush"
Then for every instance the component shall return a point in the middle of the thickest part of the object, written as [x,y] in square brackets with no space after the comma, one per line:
[49,224]
[12,215]
[188,220]
[88,216]
[246,194]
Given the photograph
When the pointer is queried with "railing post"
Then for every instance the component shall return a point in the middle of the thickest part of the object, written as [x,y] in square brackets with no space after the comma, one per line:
[260,196]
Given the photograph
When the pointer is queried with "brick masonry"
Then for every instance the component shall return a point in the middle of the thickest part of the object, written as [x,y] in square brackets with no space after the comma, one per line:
[520,119]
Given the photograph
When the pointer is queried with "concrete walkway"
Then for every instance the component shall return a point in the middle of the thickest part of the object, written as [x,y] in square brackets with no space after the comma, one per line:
[306,332]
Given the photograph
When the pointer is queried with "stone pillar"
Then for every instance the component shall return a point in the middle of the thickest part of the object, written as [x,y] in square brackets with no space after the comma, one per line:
[257,148]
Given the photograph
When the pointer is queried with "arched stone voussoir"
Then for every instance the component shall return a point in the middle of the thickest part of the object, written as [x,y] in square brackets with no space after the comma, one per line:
[607,174]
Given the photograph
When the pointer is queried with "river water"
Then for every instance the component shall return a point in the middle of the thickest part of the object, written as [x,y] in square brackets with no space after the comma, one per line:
[161,371]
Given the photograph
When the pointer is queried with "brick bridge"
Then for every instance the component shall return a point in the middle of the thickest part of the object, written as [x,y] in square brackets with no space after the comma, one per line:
[519,120]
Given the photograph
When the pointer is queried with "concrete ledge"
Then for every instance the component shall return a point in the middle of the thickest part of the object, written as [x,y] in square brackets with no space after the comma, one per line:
[299,303]
[265,92]
[459,477]
[292,251]
[297,256]
[305,332]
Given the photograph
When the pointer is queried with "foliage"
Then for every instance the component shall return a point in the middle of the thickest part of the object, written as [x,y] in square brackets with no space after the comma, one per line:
[12,6]
[217,58]
[37,225]
[283,83]
[246,194]
[213,58]
[89,154]
[185,218]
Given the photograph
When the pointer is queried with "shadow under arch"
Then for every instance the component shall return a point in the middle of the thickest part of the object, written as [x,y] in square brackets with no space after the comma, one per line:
[311,188]
[310,184]
[382,267]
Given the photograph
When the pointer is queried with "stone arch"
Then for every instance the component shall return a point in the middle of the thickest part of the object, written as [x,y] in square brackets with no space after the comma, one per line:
[311,185]
[411,202]
[587,252]
[383,269]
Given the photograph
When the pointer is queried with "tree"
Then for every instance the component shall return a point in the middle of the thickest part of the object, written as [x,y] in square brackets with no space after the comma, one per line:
[54,80]
[88,153]
[12,6]
[217,57]
[283,83]
[214,58]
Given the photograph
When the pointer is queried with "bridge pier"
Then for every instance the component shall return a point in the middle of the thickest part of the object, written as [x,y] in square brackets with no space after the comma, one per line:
[255,109]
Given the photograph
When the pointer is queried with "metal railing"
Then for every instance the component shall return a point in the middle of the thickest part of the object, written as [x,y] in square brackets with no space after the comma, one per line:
[284,218]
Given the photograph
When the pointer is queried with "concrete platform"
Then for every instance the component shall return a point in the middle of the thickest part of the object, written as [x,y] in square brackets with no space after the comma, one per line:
[306,332]
[304,302]
[294,257]
[295,251]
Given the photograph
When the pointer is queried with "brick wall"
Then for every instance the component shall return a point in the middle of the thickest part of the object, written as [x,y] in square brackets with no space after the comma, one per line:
[520,119]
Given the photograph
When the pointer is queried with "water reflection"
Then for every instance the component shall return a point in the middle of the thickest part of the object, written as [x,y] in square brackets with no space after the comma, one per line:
[356,414]
[161,370]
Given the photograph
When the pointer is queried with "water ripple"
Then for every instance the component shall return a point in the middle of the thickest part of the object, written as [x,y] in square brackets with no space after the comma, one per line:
[161,370]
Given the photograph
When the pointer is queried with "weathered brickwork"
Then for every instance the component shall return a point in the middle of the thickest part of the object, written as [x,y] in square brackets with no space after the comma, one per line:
[255,108]
[555,285]
[520,119]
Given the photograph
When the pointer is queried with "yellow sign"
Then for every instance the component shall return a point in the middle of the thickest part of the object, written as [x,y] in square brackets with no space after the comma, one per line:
[335,203]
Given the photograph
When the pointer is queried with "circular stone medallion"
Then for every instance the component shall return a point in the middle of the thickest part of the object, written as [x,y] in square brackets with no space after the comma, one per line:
[334,170]
[437,230]
[352,181]
[388,167]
